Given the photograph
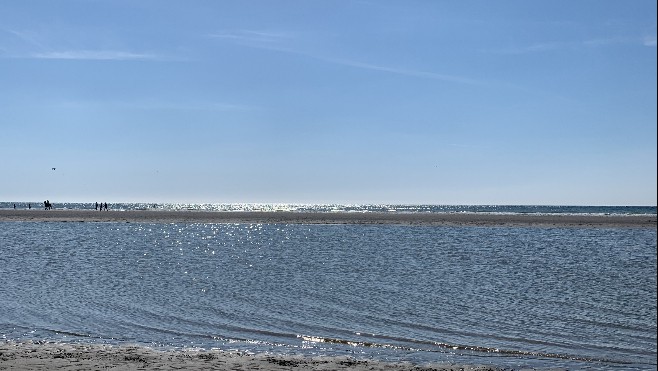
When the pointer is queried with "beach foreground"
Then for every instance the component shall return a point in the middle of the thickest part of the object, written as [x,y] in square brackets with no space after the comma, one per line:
[50,356]
[285,217]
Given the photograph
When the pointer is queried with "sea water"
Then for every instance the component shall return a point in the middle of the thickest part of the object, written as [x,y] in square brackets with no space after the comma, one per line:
[574,298]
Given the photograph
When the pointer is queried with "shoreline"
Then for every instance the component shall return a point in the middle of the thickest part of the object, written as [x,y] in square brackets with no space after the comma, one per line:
[27,355]
[366,218]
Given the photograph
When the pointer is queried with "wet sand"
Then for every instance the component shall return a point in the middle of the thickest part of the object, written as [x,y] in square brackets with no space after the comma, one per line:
[52,356]
[285,217]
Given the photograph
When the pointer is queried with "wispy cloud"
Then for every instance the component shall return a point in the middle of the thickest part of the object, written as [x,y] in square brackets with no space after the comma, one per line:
[280,42]
[573,45]
[401,71]
[254,38]
[29,38]
[33,45]
[115,55]
[150,105]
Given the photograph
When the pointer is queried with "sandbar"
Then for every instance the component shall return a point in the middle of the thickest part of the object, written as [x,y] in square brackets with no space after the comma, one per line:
[77,356]
[296,217]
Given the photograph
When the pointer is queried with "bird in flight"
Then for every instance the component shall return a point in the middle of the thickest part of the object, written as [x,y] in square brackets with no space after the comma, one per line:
[53,168]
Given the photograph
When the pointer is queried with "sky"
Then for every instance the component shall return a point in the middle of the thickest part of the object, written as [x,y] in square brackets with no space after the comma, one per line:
[329,101]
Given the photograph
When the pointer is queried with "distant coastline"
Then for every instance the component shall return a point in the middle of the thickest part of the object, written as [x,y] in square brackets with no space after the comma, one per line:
[311,217]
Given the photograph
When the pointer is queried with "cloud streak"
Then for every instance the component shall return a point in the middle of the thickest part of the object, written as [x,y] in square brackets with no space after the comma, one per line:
[99,55]
[401,71]
[252,37]
[150,105]
[31,46]
[575,45]
[279,42]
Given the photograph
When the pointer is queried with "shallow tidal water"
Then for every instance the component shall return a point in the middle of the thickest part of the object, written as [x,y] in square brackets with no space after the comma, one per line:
[506,296]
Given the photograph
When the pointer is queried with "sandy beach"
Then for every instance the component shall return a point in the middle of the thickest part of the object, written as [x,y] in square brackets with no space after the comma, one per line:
[52,356]
[284,217]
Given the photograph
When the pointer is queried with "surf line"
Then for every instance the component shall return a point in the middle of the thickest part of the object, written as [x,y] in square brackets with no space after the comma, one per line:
[473,348]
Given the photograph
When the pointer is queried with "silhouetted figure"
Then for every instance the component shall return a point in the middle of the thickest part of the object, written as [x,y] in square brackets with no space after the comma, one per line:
[106,206]
[96,207]
[29,206]
[14,206]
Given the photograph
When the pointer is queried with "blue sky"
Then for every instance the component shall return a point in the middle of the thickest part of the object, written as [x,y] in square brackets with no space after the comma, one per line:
[432,102]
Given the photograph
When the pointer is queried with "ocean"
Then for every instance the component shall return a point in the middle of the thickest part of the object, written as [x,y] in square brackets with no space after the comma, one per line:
[514,297]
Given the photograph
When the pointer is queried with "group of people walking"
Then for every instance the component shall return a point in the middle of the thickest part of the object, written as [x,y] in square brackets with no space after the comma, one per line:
[48,206]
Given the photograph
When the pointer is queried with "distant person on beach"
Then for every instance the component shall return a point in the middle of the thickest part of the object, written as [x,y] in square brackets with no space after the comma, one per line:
[29,206]
[14,206]
[106,206]
[96,207]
